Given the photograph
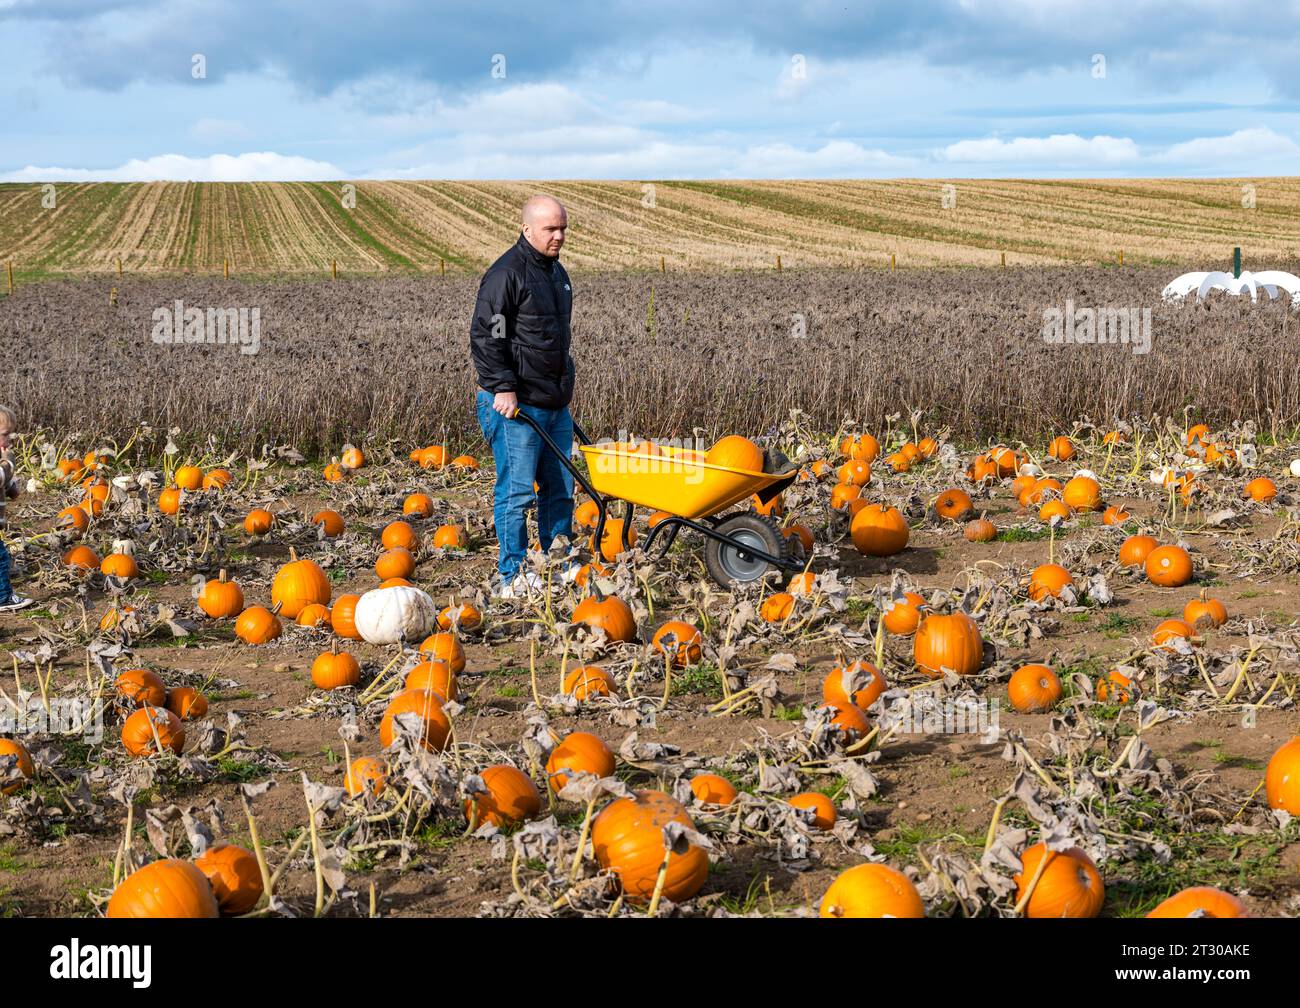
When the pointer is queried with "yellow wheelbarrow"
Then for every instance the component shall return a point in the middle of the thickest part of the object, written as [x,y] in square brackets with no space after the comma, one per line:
[739,547]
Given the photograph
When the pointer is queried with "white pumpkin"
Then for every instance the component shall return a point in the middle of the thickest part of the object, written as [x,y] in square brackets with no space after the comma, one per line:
[1295,467]
[391,615]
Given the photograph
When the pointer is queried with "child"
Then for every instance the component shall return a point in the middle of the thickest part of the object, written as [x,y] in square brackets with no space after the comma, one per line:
[9,601]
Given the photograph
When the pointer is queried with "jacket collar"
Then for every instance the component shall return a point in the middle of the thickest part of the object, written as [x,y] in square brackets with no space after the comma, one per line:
[544,261]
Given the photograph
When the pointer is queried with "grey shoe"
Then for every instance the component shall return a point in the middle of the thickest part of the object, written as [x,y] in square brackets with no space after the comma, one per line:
[15,603]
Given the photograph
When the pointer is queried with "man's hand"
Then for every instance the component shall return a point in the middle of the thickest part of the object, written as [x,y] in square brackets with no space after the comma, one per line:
[505,403]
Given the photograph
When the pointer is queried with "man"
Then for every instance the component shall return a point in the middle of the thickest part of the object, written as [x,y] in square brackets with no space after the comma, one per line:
[519,340]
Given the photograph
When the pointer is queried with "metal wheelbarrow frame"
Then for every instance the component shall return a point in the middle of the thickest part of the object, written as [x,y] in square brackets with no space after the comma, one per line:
[739,548]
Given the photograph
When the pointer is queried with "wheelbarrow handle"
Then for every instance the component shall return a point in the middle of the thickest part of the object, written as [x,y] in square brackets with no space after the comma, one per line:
[581,434]
[563,456]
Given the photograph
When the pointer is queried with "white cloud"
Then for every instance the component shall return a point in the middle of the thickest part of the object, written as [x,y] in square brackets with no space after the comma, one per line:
[1061,150]
[262,166]
[1257,144]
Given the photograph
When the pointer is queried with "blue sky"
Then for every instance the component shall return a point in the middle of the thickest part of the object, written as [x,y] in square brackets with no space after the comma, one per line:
[404,89]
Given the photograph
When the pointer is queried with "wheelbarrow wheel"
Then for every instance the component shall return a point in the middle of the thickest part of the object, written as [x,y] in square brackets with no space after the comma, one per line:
[728,565]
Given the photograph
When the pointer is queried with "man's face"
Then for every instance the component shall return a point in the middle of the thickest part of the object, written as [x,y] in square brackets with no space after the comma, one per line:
[546,230]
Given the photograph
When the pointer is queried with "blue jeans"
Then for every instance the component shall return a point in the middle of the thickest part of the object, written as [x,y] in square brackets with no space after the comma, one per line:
[6,590]
[522,457]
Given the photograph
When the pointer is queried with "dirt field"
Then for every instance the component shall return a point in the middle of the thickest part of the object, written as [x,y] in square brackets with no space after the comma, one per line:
[1179,807]
[382,227]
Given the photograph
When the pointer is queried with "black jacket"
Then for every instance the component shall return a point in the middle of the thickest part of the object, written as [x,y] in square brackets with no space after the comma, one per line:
[519,338]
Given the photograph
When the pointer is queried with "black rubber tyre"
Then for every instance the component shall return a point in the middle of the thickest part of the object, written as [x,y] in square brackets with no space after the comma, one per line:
[729,566]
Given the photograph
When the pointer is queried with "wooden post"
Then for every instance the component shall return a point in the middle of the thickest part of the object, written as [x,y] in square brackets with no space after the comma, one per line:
[662,267]
[112,296]
[893,261]
[778,262]
[225,268]
[1004,260]
[442,267]
[11,276]
[1121,257]
[119,267]
[334,268]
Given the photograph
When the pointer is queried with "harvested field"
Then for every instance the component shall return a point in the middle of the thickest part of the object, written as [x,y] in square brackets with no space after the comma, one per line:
[381,227]
[381,359]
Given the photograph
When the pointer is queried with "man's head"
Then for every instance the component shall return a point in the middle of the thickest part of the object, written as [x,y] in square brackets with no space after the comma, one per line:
[544,224]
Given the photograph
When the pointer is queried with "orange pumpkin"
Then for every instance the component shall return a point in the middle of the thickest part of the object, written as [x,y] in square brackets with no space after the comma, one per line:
[297,584]
[445,647]
[1135,549]
[802,584]
[1282,778]
[834,689]
[139,729]
[865,448]
[221,599]
[1082,493]
[952,642]
[611,540]
[1170,630]
[1034,688]
[23,759]
[1061,449]
[587,514]
[579,752]
[235,877]
[119,565]
[399,533]
[1117,687]
[857,473]
[953,505]
[81,557]
[1069,886]
[71,518]
[1054,509]
[466,462]
[823,808]
[335,669]
[1168,566]
[511,798]
[903,616]
[1211,610]
[395,563]
[187,703]
[343,616]
[686,642]
[879,531]
[980,530]
[334,473]
[258,522]
[1261,489]
[627,838]
[170,888]
[710,789]
[217,479]
[843,493]
[463,616]
[1115,515]
[450,537]
[418,505]
[850,721]
[777,608]
[609,614]
[1048,580]
[871,890]
[436,677]
[353,458]
[1201,901]
[587,681]
[257,625]
[142,687]
[735,452]
[427,707]
[366,774]
[330,521]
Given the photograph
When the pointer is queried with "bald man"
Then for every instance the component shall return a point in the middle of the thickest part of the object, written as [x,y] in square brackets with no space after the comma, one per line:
[519,341]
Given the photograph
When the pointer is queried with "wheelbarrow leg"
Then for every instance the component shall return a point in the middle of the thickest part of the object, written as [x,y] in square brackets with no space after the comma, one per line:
[567,462]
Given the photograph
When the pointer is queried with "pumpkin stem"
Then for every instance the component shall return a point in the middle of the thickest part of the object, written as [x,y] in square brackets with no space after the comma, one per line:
[222,576]
[293,555]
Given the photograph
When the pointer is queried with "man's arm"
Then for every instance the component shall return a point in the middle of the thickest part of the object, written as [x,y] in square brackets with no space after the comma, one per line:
[489,341]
